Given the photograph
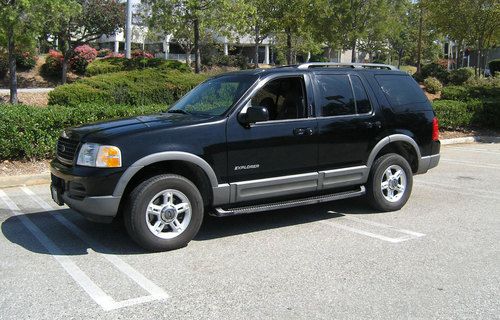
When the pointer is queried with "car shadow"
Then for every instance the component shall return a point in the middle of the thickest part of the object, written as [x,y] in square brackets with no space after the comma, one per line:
[113,239]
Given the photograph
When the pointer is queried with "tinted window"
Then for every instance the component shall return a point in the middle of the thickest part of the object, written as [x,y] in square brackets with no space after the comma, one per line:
[336,95]
[362,102]
[214,96]
[284,98]
[401,91]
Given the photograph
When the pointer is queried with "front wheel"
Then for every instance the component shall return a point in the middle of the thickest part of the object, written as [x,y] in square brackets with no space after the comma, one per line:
[390,183]
[164,212]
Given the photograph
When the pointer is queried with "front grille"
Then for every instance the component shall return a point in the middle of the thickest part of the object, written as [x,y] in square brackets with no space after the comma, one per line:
[66,150]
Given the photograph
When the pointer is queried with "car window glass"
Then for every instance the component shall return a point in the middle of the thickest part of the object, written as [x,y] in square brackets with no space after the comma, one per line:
[401,91]
[336,96]
[362,102]
[284,98]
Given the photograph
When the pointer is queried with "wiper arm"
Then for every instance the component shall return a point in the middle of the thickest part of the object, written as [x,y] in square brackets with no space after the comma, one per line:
[178,111]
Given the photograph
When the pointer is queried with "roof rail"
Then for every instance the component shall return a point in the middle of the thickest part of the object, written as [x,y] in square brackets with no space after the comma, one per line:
[340,65]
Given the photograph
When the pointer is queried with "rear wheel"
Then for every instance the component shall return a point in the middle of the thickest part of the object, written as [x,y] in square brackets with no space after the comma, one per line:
[390,183]
[164,212]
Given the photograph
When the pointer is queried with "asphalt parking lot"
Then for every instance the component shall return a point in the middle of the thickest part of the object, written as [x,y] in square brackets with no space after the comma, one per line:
[438,258]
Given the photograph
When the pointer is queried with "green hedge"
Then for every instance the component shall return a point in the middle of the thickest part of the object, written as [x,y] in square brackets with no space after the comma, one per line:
[454,114]
[138,87]
[494,67]
[31,132]
[109,65]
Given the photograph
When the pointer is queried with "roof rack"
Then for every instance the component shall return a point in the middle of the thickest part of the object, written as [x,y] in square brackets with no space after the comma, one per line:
[340,65]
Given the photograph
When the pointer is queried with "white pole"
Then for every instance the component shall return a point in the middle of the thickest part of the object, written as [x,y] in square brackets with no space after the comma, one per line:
[128,31]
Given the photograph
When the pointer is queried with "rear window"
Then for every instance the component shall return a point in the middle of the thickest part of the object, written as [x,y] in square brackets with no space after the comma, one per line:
[403,93]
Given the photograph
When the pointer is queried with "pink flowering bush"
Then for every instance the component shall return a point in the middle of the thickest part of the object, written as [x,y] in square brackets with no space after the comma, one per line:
[142,54]
[83,55]
[53,64]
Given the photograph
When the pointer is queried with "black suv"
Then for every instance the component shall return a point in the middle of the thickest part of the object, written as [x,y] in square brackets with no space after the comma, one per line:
[252,141]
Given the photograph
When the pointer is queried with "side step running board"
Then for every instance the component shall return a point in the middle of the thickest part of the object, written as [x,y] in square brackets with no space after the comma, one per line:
[219,212]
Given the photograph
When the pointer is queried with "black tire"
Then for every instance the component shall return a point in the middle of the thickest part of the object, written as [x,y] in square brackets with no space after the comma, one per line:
[374,193]
[137,204]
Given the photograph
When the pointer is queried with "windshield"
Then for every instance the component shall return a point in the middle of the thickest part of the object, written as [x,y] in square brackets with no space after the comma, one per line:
[214,96]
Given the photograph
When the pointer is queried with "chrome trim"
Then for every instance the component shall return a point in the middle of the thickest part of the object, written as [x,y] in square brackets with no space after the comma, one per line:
[219,212]
[221,194]
[340,65]
[343,177]
[273,187]
[428,162]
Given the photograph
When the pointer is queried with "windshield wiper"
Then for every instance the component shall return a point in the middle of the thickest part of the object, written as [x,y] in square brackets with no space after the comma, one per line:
[178,111]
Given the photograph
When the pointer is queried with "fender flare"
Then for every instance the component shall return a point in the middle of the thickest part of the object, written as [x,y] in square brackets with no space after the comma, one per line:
[393,138]
[159,157]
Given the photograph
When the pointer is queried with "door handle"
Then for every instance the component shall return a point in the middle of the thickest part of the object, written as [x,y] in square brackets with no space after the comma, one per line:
[303,131]
[370,125]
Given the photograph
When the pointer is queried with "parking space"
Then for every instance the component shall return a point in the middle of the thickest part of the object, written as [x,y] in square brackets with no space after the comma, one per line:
[439,257]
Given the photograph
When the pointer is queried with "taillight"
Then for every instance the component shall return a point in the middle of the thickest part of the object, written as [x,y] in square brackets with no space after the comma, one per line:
[435,129]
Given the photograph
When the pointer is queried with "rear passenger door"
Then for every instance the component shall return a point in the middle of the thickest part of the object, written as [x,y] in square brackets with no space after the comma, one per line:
[348,123]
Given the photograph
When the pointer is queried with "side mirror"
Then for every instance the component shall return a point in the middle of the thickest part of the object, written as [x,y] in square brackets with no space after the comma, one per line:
[254,114]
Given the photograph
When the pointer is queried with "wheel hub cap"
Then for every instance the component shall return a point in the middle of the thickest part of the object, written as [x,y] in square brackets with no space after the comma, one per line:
[168,214]
[393,183]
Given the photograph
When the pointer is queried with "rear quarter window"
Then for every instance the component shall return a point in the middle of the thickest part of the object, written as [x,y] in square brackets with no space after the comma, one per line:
[403,93]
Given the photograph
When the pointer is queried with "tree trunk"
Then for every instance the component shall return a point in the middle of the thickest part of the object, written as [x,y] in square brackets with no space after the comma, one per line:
[197,52]
[400,56]
[353,53]
[288,46]
[12,66]
[419,45]
[64,71]
[257,41]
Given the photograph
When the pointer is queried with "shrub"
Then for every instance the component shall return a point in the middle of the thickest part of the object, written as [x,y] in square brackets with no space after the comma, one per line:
[411,70]
[459,93]
[435,70]
[31,132]
[53,64]
[142,54]
[494,66]
[238,61]
[433,85]
[103,66]
[26,60]
[461,75]
[138,87]
[109,65]
[114,55]
[82,56]
[452,114]
[104,52]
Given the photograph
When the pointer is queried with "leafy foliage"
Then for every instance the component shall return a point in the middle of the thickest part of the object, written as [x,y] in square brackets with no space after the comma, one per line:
[82,56]
[110,65]
[138,87]
[435,70]
[31,132]
[53,64]
[433,85]
[461,75]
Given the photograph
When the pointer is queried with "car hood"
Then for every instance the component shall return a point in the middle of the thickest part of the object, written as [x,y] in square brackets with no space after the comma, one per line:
[133,124]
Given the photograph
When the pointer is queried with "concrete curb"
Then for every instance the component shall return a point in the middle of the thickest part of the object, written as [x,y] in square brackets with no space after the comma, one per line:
[22,181]
[44,178]
[484,139]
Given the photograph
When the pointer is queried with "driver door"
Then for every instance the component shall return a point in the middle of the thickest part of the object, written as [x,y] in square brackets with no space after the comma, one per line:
[279,156]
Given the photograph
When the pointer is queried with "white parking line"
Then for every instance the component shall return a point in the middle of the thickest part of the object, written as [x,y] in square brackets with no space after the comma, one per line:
[472,150]
[483,193]
[156,293]
[471,164]
[95,292]
[409,235]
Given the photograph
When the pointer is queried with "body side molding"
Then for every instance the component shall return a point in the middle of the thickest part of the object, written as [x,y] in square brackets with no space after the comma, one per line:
[164,156]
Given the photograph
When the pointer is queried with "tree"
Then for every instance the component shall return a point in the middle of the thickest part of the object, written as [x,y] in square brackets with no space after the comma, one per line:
[181,17]
[84,21]
[20,20]
[472,22]
[261,24]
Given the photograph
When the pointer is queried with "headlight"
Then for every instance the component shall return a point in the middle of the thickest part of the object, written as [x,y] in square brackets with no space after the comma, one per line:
[95,155]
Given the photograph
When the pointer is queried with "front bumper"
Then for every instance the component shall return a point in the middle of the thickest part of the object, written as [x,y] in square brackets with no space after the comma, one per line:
[87,190]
